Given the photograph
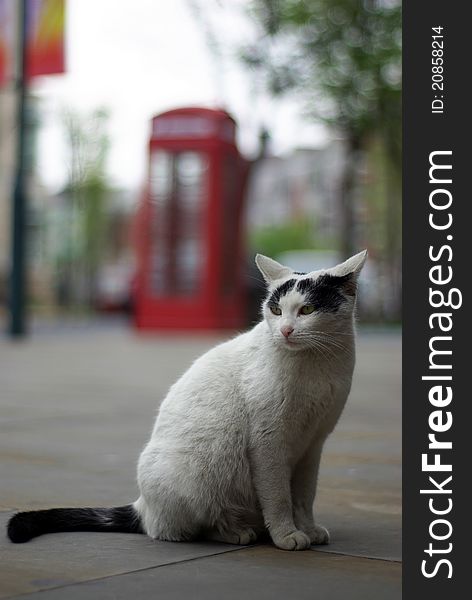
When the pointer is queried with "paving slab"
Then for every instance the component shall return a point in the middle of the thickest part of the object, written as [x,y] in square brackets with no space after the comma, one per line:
[63,558]
[259,573]
[75,411]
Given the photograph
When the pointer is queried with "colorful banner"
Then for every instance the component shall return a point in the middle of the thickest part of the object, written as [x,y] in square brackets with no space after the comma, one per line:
[6,40]
[45,37]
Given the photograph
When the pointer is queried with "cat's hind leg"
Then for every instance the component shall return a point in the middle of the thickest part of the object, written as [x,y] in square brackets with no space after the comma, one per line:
[167,521]
[235,525]
[241,536]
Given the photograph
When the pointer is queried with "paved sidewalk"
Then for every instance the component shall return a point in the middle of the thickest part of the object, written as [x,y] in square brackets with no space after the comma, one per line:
[76,407]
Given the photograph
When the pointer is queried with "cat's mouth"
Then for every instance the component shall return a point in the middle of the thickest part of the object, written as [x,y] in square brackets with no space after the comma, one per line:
[290,343]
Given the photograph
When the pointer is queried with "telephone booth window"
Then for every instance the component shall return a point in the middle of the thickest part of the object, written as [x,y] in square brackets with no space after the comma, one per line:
[161,175]
[178,183]
[160,195]
[191,193]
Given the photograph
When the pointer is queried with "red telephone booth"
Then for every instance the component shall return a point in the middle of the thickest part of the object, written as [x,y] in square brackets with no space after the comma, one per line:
[189,230]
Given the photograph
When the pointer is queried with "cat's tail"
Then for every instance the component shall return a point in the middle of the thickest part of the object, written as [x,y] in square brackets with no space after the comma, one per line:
[24,526]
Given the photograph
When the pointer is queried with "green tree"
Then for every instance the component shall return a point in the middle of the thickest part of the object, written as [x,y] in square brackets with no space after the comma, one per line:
[272,240]
[88,191]
[344,58]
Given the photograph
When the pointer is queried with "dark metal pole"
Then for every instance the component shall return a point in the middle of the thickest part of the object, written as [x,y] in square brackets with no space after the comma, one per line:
[18,274]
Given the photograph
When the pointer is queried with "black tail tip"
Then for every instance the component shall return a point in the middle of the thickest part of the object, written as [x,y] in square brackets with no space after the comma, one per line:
[20,528]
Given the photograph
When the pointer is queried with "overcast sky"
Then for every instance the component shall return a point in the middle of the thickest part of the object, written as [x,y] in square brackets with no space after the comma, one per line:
[142,57]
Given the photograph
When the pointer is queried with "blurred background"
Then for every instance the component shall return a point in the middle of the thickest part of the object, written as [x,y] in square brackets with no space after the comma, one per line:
[279,133]
[148,150]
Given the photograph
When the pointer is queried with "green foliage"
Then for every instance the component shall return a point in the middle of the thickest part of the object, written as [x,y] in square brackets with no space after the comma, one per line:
[275,239]
[344,56]
[93,194]
[87,194]
[89,143]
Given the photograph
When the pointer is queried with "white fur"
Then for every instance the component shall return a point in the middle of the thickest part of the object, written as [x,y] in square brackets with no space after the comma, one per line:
[236,445]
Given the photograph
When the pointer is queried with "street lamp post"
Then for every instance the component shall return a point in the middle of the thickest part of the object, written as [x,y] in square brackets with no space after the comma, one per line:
[17,327]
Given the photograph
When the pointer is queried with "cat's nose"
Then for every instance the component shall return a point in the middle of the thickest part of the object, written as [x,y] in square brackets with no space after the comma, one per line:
[286,330]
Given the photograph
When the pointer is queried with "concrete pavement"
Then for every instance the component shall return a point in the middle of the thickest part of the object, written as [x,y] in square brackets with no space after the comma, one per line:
[76,407]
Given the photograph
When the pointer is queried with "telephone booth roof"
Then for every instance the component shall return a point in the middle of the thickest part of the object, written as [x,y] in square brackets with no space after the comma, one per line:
[193,124]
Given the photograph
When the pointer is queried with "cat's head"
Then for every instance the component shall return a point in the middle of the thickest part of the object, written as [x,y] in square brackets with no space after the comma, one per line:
[303,309]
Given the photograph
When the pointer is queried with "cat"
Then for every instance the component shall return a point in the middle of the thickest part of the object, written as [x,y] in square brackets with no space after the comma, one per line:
[236,446]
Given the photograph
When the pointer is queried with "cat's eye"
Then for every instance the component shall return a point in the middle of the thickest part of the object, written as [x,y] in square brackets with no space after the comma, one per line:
[276,310]
[307,309]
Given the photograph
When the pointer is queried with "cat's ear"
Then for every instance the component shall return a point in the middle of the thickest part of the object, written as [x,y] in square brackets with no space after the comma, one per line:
[349,270]
[271,270]
[350,266]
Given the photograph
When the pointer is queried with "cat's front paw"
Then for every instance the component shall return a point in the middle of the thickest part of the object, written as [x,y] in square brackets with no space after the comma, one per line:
[318,534]
[297,540]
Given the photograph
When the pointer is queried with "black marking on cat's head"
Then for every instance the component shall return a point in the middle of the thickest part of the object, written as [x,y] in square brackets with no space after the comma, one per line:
[280,291]
[326,292]
[298,273]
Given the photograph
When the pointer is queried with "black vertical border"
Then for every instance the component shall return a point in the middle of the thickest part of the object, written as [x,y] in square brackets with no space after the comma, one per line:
[423,133]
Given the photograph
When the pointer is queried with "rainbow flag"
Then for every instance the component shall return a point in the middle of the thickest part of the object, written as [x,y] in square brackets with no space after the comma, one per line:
[45,37]
[7,20]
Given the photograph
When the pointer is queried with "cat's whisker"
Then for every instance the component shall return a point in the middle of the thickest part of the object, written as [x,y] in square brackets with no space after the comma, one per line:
[318,345]
[336,343]
[319,348]
[326,340]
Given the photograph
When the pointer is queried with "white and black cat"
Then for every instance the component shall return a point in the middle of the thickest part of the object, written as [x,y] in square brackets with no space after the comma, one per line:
[236,446]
